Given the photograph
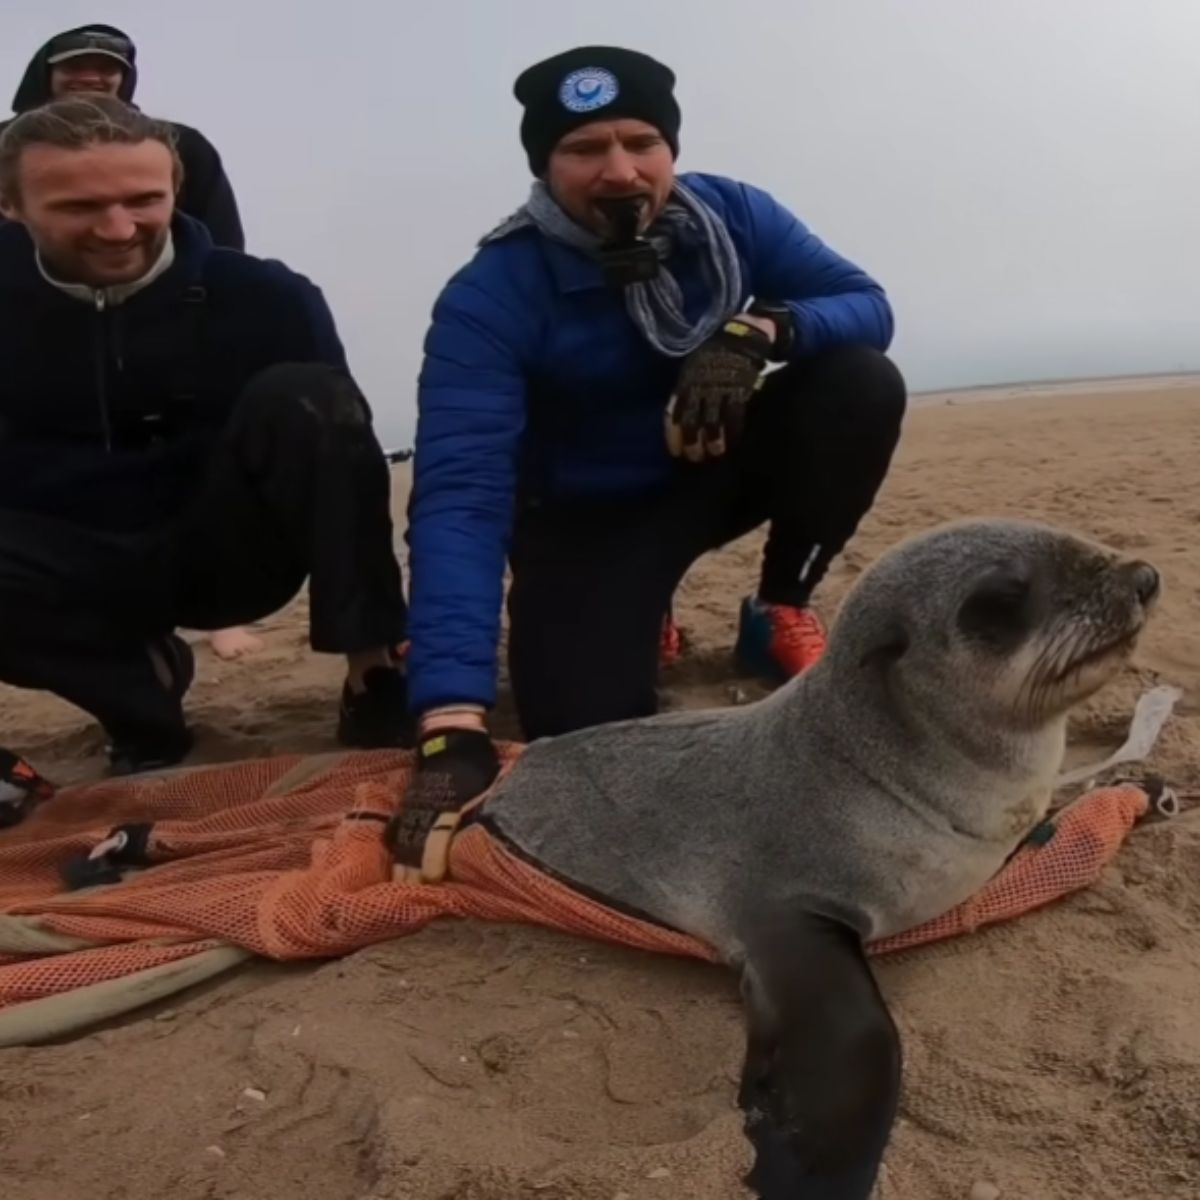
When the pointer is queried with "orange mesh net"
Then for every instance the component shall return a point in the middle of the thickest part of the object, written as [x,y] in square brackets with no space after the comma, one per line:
[285,858]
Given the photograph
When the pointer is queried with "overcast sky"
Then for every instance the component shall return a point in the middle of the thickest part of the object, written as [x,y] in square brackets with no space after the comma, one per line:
[1023,176]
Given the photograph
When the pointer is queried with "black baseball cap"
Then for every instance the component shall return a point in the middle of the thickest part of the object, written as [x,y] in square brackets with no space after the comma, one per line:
[91,42]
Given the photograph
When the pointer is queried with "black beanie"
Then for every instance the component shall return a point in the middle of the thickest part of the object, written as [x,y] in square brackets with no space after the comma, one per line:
[593,83]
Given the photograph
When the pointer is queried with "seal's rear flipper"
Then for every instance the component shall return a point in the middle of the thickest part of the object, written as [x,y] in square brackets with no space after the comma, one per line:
[821,1080]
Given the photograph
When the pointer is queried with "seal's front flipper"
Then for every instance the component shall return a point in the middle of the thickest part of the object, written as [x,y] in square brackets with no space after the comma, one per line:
[821,1080]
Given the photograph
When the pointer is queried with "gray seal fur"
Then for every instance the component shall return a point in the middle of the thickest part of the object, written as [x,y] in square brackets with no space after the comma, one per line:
[872,793]
[883,786]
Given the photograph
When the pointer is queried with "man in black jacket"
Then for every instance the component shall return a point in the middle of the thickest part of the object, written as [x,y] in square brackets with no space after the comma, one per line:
[103,59]
[181,444]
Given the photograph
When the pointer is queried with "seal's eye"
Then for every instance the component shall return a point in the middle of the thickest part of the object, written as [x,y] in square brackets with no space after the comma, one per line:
[998,611]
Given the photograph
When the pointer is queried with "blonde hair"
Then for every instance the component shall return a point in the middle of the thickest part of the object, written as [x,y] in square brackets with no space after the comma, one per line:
[74,123]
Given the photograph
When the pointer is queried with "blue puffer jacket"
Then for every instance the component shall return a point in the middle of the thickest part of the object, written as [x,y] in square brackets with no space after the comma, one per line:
[108,414]
[536,378]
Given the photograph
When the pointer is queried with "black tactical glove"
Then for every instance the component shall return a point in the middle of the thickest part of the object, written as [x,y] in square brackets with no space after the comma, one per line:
[708,411]
[454,766]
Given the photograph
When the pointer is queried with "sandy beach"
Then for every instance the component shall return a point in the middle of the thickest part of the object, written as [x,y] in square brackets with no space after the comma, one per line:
[1056,1057]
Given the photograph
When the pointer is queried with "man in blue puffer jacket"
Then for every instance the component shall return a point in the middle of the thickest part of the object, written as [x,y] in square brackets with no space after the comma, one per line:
[181,443]
[598,406]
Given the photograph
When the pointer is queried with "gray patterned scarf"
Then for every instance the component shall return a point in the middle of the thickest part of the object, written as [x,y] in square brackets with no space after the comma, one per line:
[657,306]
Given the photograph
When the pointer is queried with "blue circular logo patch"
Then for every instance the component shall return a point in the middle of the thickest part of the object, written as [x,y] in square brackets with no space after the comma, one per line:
[587,89]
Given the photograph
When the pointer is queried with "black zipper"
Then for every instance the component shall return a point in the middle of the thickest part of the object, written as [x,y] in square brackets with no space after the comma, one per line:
[100,357]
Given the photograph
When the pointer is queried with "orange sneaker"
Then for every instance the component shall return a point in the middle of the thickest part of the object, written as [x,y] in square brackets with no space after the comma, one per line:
[778,640]
[670,642]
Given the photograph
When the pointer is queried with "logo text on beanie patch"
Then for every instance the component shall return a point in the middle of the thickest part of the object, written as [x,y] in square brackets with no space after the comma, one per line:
[587,89]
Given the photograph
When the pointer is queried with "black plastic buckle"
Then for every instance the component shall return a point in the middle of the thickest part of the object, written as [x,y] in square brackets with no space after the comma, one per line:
[626,257]
[125,846]
[623,265]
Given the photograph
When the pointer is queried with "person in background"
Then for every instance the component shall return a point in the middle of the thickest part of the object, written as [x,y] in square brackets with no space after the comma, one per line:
[182,444]
[636,368]
[102,59]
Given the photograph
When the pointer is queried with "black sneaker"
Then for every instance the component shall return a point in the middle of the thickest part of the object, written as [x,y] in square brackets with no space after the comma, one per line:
[134,749]
[377,718]
[149,751]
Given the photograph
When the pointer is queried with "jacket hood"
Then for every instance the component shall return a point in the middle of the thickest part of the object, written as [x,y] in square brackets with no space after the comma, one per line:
[34,88]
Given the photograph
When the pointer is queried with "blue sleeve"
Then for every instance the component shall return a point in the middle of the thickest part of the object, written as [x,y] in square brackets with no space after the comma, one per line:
[470,417]
[834,301]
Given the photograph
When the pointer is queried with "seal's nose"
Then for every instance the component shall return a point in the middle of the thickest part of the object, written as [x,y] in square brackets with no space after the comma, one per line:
[1146,582]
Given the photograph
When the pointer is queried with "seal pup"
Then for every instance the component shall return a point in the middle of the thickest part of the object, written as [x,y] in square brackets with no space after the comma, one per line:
[874,792]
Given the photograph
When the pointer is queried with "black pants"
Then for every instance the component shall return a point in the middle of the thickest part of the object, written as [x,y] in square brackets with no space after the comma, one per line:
[592,582]
[298,489]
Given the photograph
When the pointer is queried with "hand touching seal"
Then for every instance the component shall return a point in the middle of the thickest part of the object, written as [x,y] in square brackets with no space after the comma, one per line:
[707,413]
[454,766]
